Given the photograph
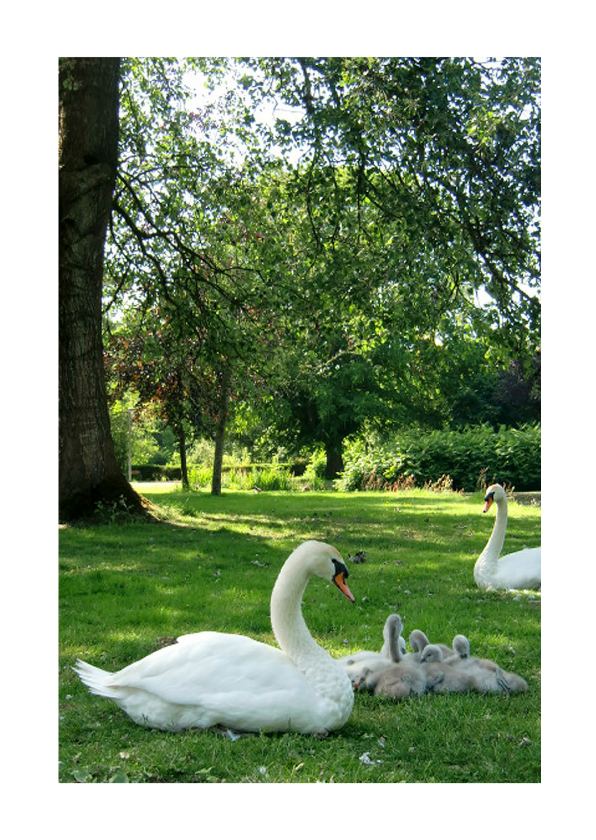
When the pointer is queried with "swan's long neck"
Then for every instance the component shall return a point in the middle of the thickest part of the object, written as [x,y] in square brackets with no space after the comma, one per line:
[287,622]
[492,550]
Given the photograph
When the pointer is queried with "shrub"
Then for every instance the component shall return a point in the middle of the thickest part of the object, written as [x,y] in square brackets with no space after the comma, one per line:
[272,478]
[199,476]
[509,456]
[155,472]
[263,477]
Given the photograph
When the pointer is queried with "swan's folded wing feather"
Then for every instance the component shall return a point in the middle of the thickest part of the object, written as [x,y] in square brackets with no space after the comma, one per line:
[520,570]
[212,665]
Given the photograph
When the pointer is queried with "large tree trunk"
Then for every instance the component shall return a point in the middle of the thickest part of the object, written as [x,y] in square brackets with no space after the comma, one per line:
[88,156]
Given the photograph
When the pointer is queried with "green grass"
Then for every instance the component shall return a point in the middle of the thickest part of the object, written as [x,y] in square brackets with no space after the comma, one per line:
[211,564]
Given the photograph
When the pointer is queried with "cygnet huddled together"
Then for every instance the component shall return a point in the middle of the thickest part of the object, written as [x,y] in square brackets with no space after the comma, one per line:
[427,668]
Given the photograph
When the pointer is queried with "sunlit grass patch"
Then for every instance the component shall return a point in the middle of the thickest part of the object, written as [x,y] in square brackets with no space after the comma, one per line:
[127,589]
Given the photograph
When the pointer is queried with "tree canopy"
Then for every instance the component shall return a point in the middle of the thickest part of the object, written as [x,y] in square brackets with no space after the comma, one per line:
[326,232]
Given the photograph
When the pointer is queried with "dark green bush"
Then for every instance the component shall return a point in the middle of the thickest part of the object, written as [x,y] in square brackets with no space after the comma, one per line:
[471,458]
[155,472]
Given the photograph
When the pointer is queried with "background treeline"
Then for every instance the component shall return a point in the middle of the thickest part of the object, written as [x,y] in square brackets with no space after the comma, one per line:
[462,459]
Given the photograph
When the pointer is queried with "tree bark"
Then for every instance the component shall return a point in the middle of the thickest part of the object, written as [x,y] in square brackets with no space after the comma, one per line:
[220,432]
[182,451]
[335,462]
[88,156]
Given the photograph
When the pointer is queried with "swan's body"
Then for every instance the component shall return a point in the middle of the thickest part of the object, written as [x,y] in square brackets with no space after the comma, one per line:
[520,570]
[219,678]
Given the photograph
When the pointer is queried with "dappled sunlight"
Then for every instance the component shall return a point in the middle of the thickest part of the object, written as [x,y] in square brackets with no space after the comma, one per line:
[128,590]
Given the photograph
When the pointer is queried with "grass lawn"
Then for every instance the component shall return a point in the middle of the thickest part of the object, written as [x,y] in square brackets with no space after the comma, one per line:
[126,588]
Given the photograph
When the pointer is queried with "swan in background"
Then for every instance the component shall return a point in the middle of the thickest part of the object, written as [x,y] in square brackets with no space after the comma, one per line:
[520,570]
[213,678]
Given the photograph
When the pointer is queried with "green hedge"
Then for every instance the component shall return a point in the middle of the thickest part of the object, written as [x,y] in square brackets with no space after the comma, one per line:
[155,472]
[471,458]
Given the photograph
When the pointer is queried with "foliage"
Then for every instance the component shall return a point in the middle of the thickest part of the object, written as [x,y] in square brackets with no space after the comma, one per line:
[127,589]
[442,155]
[330,262]
[137,426]
[255,477]
[471,458]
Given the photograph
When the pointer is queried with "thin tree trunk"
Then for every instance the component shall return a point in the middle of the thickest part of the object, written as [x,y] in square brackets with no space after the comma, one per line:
[88,154]
[335,462]
[220,432]
[182,450]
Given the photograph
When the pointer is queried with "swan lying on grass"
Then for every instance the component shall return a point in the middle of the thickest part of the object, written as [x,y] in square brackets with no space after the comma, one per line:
[211,678]
[520,570]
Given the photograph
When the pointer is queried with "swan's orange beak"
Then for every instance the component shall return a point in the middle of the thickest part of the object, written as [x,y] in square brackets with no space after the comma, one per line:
[488,502]
[340,581]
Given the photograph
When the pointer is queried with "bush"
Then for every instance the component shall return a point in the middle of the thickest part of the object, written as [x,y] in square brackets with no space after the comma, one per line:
[470,458]
[155,472]
[272,478]
[244,477]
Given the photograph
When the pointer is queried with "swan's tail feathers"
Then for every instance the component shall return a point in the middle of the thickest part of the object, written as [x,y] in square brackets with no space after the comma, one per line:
[96,680]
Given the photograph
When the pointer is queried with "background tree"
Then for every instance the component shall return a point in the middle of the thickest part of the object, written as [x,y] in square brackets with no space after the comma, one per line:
[167,368]
[417,188]
[447,149]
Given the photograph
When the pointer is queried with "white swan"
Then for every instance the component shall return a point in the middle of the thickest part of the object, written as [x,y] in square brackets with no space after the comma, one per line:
[220,678]
[520,570]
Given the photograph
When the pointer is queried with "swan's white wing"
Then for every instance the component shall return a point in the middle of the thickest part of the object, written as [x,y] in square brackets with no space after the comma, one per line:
[358,656]
[520,570]
[210,664]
